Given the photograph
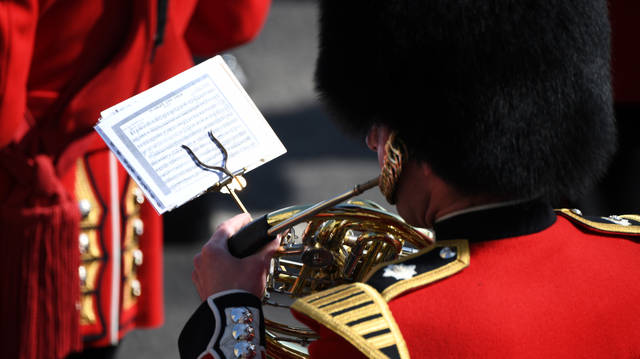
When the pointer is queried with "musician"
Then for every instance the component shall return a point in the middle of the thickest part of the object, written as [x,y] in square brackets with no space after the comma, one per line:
[483,114]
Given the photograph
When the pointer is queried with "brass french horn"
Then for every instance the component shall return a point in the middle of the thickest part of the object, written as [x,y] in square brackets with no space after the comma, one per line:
[338,245]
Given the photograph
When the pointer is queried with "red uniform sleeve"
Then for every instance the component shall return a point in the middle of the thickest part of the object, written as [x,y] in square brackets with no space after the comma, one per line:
[17,32]
[219,25]
[330,345]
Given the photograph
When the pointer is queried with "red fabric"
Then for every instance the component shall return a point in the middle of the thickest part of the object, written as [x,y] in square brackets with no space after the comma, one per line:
[330,345]
[38,287]
[243,17]
[560,293]
[625,24]
[17,32]
[62,63]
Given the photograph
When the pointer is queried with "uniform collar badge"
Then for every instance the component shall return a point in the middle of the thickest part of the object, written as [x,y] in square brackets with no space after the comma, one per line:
[400,271]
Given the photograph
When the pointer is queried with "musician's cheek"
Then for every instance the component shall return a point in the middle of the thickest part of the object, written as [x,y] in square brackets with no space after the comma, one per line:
[412,195]
[406,208]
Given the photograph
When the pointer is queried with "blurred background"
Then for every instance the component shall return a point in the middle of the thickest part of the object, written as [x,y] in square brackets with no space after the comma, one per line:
[320,163]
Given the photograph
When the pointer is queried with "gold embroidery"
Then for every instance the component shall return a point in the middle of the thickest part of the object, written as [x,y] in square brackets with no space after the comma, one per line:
[132,256]
[84,191]
[87,316]
[358,313]
[92,269]
[88,244]
[93,249]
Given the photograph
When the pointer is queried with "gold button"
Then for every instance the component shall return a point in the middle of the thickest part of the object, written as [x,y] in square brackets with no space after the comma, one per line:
[138,196]
[137,257]
[138,227]
[83,240]
[136,289]
[82,273]
[85,207]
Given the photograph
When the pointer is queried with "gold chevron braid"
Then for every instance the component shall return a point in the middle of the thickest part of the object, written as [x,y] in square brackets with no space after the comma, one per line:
[603,227]
[358,313]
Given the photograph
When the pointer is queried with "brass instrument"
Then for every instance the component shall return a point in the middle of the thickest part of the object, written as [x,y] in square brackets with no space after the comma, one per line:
[338,245]
[322,246]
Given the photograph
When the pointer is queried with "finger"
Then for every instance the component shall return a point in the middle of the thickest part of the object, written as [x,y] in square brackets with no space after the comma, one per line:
[229,227]
[236,222]
[266,253]
[268,249]
[272,247]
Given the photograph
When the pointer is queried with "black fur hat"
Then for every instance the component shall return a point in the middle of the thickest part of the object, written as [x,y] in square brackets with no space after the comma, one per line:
[502,97]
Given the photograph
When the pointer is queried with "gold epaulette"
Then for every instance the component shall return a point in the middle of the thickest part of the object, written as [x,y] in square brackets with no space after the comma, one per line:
[627,224]
[358,313]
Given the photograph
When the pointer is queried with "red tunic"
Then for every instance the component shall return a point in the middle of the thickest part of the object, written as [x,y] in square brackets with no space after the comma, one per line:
[62,63]
[566,291]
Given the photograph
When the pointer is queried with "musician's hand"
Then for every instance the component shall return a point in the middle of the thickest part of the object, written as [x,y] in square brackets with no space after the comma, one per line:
[216,270]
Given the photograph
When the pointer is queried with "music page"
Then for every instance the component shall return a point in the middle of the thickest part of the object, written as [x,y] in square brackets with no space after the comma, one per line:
[148,133]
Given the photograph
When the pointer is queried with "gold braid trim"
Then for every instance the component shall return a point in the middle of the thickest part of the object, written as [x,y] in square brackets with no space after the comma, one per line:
[358,313]
[90,252]
[449,269]
[603,227]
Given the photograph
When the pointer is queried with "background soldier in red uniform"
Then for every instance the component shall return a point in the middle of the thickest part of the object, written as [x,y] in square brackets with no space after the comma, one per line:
[500,109]
[80,250]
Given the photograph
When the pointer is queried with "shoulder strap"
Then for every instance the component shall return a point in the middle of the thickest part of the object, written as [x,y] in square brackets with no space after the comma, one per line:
[438,261]
[627,224]
[358,313]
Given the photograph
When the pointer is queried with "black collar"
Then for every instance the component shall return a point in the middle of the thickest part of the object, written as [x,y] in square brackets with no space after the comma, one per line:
[504,221]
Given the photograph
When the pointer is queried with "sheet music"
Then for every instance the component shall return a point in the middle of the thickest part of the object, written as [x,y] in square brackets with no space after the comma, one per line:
[147,132]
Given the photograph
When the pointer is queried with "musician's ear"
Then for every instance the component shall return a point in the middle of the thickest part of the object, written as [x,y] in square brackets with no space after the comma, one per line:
[371,139]
[376,139]
[425,168]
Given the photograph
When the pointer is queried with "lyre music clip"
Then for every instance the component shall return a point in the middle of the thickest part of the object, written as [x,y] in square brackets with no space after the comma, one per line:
[234,181]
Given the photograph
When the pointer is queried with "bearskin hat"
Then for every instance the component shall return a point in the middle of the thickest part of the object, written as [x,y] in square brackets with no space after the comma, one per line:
[502,97]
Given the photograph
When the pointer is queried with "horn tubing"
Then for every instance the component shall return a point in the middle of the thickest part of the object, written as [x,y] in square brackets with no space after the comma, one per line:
[256,234]
[311,211]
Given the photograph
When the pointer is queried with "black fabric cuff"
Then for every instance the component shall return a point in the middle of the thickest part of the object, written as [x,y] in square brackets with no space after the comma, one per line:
[208,330]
